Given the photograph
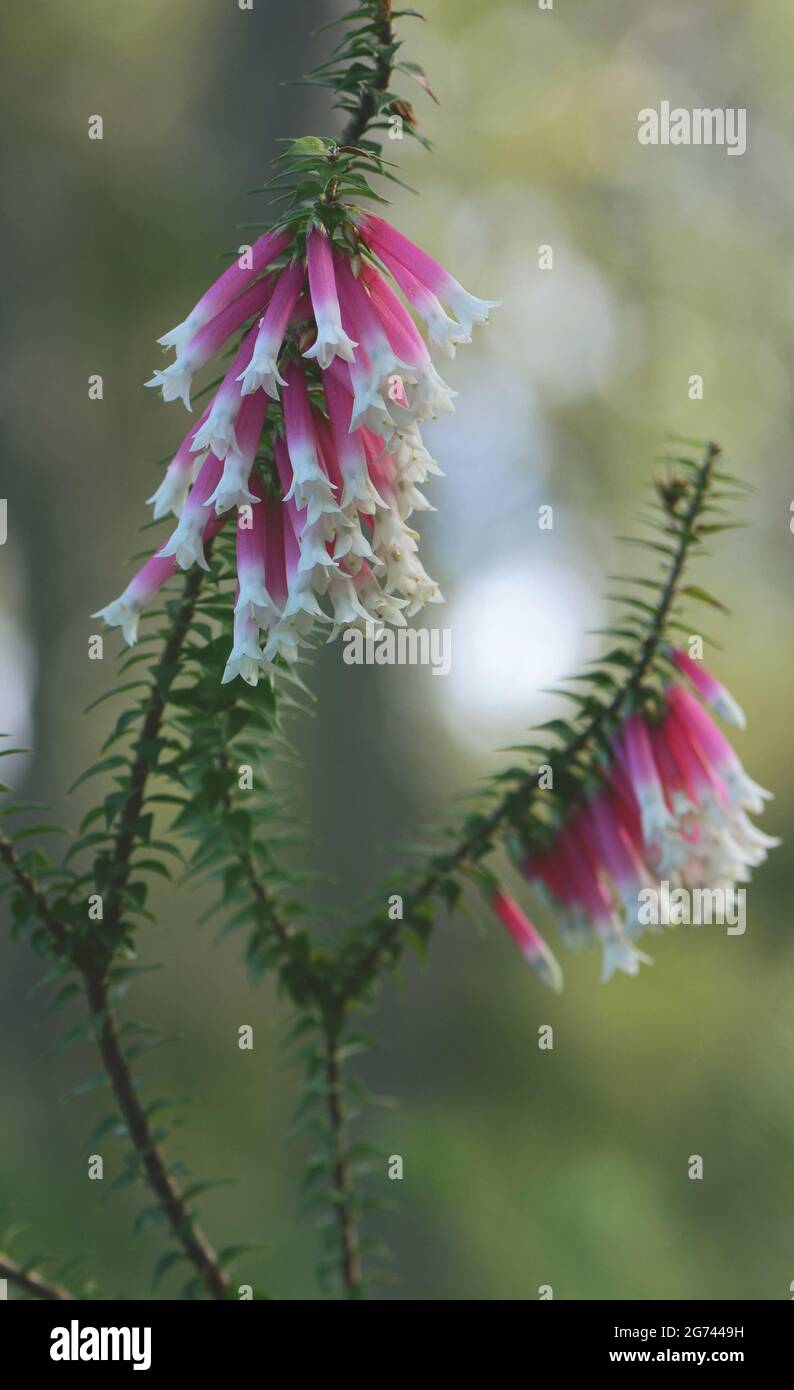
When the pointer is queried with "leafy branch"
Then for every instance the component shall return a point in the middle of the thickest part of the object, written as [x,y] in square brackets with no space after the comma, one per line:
[360,72]
[31,1282]
[212,745]
[92,954]
[378,941]
[243,861]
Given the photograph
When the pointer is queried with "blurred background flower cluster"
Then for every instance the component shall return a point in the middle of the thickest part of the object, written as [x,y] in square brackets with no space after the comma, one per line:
[522,1167]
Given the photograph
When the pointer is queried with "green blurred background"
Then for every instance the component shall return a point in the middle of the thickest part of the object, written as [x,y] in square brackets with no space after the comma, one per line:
[522,1167]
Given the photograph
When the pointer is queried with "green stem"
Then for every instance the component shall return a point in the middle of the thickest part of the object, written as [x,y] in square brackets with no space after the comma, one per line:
[349,1254]
[163,676]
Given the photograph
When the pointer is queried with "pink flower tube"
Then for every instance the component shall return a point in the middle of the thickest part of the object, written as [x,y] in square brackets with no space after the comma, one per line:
[187,541]
[309,485]
[197,351]
[217,432]
[357,489]
[529,941]
[431,391]
[636,754]
[467,309]
[170,495]
[253,598]
[712,690]
[226,288]
[232,489]
[375,361]
[618,952]
[332,341]
[703,733]
[262,370]
[615,850]
[125,611]
[299,606]
[442,330]
[703,785]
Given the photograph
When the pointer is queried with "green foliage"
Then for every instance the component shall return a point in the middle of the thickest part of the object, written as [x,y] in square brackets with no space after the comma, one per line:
[360,70]
[176,808]
[199,755]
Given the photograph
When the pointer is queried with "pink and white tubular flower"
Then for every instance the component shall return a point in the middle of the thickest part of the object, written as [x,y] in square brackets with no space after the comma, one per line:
[232,489]
[582,867]
[375,362]
[227,287]
[425,394]
[217,433]
[671,806]
[253,599]
[709,688]
[636,755]
[529,941]
[186,543]
[125,611]
[612,846]
[198,351]
[169,497]
[332,341]
[358,490]
[343,528]
[310,485]
[467,309]
[307,564]
[246,658]
[326,380]
[262,370]
[716,750]
[443,331]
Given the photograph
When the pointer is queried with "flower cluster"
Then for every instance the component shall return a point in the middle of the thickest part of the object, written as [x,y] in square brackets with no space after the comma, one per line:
[670,802]
[324,482]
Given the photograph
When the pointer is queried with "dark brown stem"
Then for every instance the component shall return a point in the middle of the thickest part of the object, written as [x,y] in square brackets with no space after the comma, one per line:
[94,972]
[349,1256]
[516,801]
[381,76]
[190,1236]
[34,1284]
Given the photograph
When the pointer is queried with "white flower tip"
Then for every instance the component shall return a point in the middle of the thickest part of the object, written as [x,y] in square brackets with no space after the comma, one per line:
[324,350]
[729,710]
[621,955]
[547,968]
[174,384]
[120,614]
[483,308]
[175,337]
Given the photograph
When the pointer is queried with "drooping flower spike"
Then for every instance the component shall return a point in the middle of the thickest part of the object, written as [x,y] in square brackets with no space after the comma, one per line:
[316,424]
[670,803]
